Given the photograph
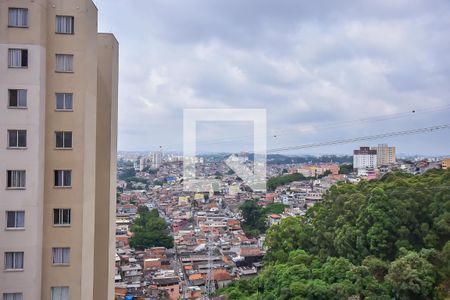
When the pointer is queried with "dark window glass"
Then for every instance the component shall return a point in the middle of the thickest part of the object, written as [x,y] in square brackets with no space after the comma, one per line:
[24,58]
[61,216]
[68,139]
[15,179]
[15,219]
[13,101]
[63,139]
[17,98]
[22,138]
[59,139]
[63,178]
[12,138]
[17,58]
[17,138]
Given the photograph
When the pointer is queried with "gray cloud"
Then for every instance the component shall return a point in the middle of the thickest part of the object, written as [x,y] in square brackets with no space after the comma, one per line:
[309,63]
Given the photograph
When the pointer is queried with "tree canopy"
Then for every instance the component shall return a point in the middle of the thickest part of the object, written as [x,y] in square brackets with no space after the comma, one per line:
[255,216]
[150,230]
[345,168]
[126,173]
[382,239]
[274,182]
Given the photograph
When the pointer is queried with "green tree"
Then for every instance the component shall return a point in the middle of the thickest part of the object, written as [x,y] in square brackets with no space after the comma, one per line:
[411,277]
[254,218]
[384,239]
[126,173]
[345,169]
[142,210]
[274,208]
[274,182]
[150,230]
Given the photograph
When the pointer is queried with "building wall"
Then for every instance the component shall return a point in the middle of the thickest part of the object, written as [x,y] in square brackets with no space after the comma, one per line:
[446,164]
[92,158]
[81,159]
[30,159]
[385,155]
[107,82]
[362,161]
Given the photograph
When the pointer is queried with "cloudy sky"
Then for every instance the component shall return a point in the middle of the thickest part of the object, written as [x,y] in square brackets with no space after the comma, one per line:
[323,70]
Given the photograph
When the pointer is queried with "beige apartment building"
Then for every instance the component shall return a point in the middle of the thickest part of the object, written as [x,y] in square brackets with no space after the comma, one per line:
[58,129]
[385,155]
[446,163]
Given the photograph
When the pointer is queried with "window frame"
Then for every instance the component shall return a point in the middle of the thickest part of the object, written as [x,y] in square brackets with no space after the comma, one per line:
[17,92]
[61,217]
[65,97]
[18,26]
[15,220]
[72,63]
[63,172]
[15,296]
[73,24]
[17,132]
[22,66]
[24,179]
[53,289]
[64,133]
[14,269]
[65,256]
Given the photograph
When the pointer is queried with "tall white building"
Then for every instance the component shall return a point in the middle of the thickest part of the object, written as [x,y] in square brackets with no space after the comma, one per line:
[364,158]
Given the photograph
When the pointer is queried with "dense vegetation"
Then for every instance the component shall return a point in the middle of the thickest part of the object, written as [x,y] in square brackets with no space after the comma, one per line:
[124,174]
[150,230]
[274,182]
[345,169]
[255,216]
[386,239]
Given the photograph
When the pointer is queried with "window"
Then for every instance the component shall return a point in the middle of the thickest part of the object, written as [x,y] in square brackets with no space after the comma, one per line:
[15,219]
[17,58]
[64,24]
[16,179]
[60,293]
[61,256]
[17,138]
[18,17]
[63,178]
[64,101]
[13,260]
[17,98]
[63,139]
[61,216]
[64,63]
[12,296]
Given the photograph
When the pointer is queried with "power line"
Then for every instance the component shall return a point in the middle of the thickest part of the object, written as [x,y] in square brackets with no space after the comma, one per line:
[331,125]
[363,138]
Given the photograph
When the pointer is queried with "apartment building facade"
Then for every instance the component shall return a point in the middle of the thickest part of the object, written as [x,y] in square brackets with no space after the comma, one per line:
[446,163]
[385,155]
[364,158]
[58,129]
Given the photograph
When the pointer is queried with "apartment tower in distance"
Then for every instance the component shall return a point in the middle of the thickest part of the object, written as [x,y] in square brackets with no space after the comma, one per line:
[385,155]
[58,128]
[364,158]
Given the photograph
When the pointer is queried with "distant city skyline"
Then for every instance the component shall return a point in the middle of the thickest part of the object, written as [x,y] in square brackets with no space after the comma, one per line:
[316,67]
